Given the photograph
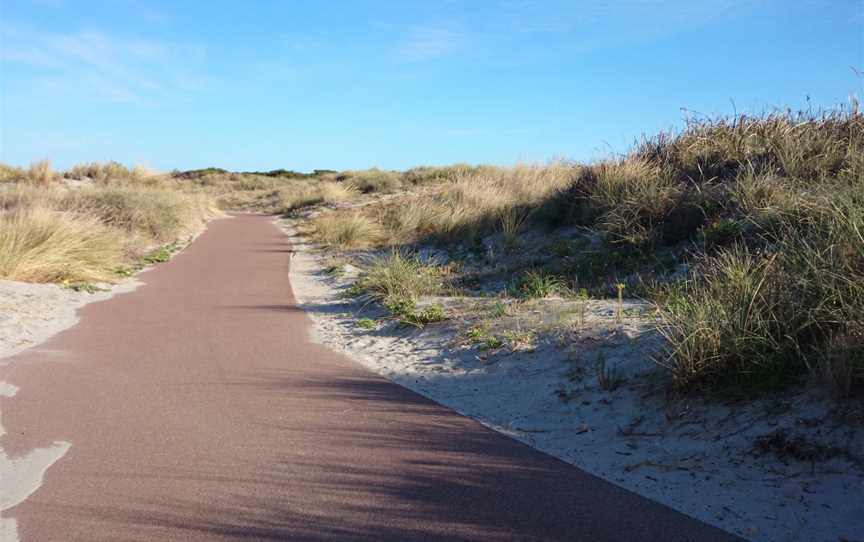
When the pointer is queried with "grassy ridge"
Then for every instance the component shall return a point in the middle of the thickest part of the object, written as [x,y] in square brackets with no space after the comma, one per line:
[748,233]
[52,233]
[765,213]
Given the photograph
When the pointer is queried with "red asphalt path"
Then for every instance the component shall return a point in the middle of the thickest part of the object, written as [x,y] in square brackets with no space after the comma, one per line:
[199,409]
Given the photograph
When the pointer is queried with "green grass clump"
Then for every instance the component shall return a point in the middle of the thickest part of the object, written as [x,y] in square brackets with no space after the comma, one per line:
[160,255]
[491,342]
[397,280]
[760,317]
[366,323]
[730,319]
[398,275]
[538,284]
[405,309]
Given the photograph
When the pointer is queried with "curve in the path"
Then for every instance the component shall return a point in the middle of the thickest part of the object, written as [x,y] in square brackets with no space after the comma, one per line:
[197,408]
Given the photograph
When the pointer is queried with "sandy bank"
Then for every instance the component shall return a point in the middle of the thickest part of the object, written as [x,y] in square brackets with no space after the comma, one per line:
[782,469]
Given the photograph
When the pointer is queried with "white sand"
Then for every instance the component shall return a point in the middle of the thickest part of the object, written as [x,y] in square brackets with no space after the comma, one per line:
[696,457]
[32,313]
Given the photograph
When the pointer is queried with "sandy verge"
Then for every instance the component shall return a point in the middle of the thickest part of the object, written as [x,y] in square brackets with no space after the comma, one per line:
[32,313]
[781,469]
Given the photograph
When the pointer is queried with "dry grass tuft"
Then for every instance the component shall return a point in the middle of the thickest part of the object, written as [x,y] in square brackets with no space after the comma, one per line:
[38,244]
[159,214]
[40,173]
[478,202]
[345,229]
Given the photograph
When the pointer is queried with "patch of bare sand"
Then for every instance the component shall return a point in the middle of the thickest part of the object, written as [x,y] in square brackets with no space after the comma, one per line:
[784,469]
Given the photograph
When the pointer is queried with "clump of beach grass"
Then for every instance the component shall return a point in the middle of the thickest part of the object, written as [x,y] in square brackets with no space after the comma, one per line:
[399,275]
[344,229]
[300,194]
[38,244]
[477,202]
[40,173]
[159,214]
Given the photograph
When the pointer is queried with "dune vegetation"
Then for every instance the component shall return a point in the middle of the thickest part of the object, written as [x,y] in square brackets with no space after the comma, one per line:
[92,223]
[747,233]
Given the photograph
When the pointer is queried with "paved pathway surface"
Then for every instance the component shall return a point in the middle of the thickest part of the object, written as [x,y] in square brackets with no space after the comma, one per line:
[198,409]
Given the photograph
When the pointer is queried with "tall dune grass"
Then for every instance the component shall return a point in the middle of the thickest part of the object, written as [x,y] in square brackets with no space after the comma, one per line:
[345,229]
[477,201]
[38,244]
[159,214]
[50,233]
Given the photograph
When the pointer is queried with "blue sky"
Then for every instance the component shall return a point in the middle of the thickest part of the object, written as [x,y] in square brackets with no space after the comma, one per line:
[352,84]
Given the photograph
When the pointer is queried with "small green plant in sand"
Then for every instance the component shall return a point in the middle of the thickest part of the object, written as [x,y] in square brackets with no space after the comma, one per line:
[155,256]
[87,287]
[476,334]
[582,298]
[405,309]
[425,316]
[519,339]
[538,284]
[366,323]
[499,310]
[491,343]
[481,336]
[160,255]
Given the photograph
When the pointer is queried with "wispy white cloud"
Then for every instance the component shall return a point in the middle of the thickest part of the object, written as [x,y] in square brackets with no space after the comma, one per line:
[588,25]
[102,66]
[427,42]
